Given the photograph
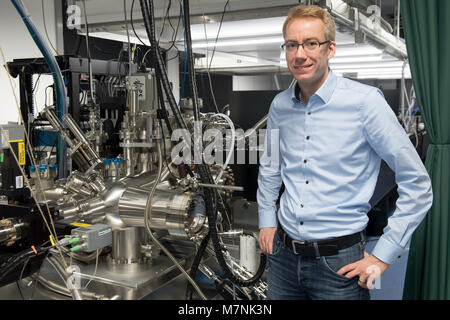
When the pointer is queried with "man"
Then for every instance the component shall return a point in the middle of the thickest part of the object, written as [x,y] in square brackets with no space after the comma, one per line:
[329,134]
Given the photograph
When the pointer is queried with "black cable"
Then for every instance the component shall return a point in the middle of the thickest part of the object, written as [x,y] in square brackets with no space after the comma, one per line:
[36,84]
[132,24]
[45,27]
[17,259]
[164,21]
[20,277]
[175,34]
[37,276]
[88,53]
[161,104]
[149,21]
[218,32]
[195,265]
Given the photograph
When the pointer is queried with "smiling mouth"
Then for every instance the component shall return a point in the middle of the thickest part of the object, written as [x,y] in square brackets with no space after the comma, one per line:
[302,67]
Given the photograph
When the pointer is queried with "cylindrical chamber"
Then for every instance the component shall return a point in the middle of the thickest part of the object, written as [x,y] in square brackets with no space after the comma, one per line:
[181,214]
[127,245]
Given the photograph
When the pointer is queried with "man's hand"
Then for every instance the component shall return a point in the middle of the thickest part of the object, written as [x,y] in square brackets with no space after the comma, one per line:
[265,239]
[367,269]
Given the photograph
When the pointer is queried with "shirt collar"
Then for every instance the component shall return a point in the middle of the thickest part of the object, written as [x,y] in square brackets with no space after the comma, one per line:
[325,92]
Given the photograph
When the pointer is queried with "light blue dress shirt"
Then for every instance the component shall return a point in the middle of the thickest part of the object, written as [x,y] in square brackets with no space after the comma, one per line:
[329,155]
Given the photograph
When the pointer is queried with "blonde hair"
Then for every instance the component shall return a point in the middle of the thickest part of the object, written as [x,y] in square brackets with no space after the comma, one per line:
[302,11]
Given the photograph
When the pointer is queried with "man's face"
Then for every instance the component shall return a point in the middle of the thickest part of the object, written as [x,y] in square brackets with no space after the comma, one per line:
[310,69]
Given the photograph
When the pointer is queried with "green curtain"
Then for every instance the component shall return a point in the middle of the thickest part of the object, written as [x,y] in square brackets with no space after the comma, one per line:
[427,31]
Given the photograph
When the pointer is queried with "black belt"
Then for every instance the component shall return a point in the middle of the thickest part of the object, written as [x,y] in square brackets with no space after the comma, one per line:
[319,248]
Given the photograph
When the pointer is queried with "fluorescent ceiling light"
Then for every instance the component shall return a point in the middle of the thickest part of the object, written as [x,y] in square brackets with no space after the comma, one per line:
[238,29]
[347,51]
[369,65]
[370,70]
[370,58]
[382,76]
[349,60]
[237,42]
[115,36]
[374,75]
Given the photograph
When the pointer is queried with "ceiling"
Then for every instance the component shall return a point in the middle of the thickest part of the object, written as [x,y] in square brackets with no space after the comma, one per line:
[250,34]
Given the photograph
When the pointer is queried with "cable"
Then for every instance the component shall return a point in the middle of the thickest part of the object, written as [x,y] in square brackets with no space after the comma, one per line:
[218,32]
[175,34]
[128,37]
[233,137]
[45,27]
[91,83]
[132,25]
[195,264]
[56,264]
[17,259]
[164,21]
[147,13]
[184,68]
[207,70]
[20,278]
[95,270]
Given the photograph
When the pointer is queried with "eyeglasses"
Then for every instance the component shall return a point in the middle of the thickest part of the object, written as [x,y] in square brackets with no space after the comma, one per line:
[308,46]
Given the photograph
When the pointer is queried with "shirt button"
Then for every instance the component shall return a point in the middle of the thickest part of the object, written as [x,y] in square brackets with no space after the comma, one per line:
[301,205]
[307,138]
[307,181]
[304,161]
[301,223]
[309,113]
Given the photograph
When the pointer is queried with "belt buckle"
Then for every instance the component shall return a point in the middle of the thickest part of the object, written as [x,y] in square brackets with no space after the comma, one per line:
[294,247]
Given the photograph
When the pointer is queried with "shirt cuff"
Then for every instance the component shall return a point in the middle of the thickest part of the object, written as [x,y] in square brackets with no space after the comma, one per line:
[267,218]
[387,252]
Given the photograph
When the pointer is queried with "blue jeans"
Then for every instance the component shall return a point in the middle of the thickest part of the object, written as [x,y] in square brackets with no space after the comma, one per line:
[293,277]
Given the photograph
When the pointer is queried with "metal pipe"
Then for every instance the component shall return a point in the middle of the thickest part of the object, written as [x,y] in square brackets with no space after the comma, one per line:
[54,121]
[53,286]
[218,186]
[92,156]
[56,264]
[261,123]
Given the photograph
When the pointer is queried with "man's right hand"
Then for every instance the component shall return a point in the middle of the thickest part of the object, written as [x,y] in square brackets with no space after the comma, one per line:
[266,239]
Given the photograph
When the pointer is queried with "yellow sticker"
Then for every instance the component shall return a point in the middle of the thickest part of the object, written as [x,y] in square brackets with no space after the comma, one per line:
[21,147]
[21,151]
[82,225]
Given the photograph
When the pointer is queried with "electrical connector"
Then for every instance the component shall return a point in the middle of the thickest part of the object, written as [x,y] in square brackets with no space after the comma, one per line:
[76,248]
[92,238]
[74,240]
